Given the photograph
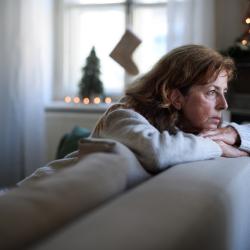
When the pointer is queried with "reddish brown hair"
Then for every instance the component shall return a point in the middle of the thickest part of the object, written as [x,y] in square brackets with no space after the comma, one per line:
[180,69]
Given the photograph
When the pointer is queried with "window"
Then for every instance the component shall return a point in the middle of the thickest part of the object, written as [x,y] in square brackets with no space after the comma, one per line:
[101,23]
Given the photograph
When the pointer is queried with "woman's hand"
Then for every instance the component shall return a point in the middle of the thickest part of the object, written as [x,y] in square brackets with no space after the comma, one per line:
[230,151]
[227,135]
[227,138]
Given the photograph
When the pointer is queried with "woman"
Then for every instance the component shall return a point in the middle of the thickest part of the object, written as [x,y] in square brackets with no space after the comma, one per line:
[173,114]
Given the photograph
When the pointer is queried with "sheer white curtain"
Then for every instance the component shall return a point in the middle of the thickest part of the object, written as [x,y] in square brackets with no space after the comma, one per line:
[25,72]
[191,21]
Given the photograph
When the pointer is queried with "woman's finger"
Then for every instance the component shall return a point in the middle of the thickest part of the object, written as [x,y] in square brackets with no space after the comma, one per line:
[210,132]
[216,137]
[226,134]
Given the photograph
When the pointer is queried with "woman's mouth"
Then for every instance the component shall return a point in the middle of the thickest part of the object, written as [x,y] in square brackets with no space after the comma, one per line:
[216,119]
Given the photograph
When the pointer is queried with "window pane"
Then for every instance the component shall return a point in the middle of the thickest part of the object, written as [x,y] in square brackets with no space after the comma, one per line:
[99,27]
[150,24]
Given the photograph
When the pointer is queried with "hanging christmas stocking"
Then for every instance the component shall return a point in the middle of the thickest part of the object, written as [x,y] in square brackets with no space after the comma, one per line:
[122,53]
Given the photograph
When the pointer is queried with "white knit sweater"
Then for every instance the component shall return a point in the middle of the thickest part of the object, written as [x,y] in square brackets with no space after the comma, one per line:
[158,150]
[244,133]
[155,150]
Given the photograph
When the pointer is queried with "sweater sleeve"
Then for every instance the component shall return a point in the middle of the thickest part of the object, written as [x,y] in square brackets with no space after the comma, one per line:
[156,151]
[244,133]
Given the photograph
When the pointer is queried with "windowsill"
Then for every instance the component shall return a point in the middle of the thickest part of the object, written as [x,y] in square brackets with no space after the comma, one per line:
[59,106]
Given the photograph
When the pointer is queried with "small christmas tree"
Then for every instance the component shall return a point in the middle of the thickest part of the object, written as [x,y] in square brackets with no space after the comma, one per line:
[90,84]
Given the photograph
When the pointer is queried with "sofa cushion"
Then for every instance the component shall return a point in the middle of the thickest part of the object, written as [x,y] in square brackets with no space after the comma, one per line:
[136,172]
[69,142]
[43,204]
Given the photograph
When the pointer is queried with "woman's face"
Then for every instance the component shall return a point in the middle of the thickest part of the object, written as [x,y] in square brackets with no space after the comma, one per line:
[203,105]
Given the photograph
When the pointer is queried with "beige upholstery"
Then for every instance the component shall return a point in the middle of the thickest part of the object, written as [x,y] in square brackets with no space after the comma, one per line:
[47,201]
[200,205]
[80,204]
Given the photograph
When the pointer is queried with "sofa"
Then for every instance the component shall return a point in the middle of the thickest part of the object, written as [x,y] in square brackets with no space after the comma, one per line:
[101,197]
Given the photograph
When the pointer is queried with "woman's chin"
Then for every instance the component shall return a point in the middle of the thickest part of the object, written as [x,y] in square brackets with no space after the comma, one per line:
[199,129]
[212,126]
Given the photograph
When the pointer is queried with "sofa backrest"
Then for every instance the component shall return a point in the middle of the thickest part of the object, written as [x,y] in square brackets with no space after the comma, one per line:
[65,189]
[199,205]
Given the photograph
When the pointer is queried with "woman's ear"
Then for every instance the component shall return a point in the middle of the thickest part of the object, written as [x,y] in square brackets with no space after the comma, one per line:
[176,99]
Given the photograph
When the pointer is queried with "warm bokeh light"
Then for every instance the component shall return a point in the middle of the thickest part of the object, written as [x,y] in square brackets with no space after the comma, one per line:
[248,20]
[85,100]
[244,42]
[96,100]
[67,99]
[108,100]
[76,99]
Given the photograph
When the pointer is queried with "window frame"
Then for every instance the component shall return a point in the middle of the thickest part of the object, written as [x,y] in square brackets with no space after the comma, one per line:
[58,90]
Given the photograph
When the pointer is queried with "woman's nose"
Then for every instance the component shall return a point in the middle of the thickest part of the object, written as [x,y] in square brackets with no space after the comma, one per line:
[222,102]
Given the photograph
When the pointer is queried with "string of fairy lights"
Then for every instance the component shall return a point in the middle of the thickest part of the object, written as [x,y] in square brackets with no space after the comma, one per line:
[245,38]
[87,100]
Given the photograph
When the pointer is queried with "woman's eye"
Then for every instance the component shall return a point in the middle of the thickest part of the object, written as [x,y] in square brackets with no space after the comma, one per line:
[211,92]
